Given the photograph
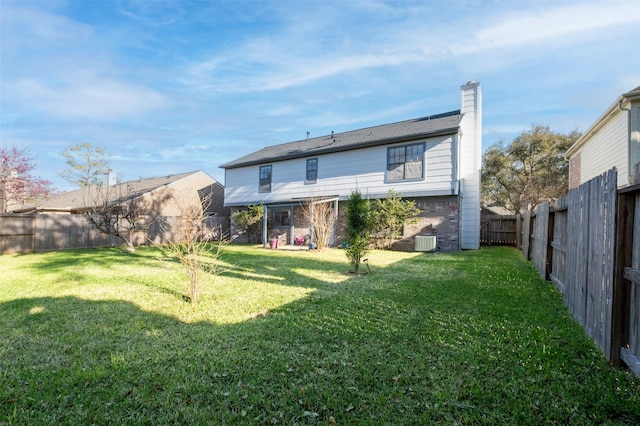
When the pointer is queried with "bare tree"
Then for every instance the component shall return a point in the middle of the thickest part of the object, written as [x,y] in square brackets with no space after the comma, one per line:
[116,210]
[198,246]
[321,215]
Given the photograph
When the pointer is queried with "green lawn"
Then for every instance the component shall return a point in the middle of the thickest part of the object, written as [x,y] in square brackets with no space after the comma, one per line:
[285,337]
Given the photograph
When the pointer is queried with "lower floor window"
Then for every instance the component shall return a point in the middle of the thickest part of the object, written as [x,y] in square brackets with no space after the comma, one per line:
[280,217]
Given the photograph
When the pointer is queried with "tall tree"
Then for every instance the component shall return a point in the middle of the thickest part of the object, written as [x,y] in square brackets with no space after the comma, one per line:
[530,170]
[17,184]
[86,164]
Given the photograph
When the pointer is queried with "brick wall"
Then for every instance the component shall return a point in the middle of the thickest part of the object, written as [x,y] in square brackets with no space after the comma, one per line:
[574,171]
[438,216]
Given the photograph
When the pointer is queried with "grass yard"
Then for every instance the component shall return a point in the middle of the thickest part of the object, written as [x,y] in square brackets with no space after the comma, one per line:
[287,337]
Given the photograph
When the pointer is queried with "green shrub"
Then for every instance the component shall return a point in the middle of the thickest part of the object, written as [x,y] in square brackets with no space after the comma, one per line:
[249,222]
[357,230]
[388,216]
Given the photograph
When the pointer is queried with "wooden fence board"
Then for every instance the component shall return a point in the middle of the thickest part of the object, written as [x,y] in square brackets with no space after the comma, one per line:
[600,264]
[634,311]
[540,242]
[500,230]
[580,259]
[578,237]
[16,233]
[560,248]
[526,232]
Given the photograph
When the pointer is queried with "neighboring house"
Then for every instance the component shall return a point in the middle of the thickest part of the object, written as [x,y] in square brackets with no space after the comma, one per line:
[495,210]
[164,195]
[146,211]
[613,140]
[434,160]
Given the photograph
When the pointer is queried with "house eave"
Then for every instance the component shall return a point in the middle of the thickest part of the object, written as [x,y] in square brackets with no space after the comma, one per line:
[622,101]
[329,150]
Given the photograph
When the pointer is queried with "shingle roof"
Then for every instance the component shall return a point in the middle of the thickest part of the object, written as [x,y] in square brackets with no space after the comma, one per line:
[76,200]
[633,93]
[432,125]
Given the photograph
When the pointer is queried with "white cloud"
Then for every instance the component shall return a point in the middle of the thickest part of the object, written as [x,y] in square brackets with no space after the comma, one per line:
[59,67]
[303,50]
[96,98]
[157,12]
[567,23]
[32,28]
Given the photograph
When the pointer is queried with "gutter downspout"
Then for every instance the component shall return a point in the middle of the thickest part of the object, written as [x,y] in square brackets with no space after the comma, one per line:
[629,165]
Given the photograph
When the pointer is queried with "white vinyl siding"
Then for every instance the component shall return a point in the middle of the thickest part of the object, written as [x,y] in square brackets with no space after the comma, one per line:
[343,172]
[606,148]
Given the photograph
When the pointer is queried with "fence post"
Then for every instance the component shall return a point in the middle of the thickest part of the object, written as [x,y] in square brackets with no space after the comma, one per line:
[526,235]
[621,287]
[549,260]
[518,231]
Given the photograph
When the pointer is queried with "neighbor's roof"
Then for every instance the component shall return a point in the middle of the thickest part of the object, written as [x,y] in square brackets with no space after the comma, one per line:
[632,95]
[498,210]
[429,126]
[77,200]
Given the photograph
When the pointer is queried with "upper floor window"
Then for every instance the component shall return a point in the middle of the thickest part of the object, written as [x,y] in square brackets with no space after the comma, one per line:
[312,170]
[405,162]
[265,179]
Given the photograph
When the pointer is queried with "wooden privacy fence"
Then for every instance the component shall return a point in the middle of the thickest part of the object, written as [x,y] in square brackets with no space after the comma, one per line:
[588,245]
[48,232]
[501,230]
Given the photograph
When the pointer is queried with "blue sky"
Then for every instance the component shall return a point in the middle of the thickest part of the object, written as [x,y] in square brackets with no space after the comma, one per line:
[175,86]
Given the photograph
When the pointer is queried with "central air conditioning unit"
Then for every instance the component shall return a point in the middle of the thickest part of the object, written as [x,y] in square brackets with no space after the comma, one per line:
[426,242]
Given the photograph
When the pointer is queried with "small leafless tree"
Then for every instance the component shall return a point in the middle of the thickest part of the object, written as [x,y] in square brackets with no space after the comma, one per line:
[198,246]
[116,211]
[321,216]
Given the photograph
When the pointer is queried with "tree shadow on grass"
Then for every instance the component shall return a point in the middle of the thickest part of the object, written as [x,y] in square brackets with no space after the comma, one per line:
[98,257]
[72,361]
[365,357]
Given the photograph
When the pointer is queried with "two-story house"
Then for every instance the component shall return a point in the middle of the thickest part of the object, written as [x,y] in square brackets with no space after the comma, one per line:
[433,160]
[613,140]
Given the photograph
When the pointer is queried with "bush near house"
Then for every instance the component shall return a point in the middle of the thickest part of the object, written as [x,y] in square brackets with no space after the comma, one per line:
[475,337]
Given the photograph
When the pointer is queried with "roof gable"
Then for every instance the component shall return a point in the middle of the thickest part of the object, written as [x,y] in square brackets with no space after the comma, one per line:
[614,109]
[429,126]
